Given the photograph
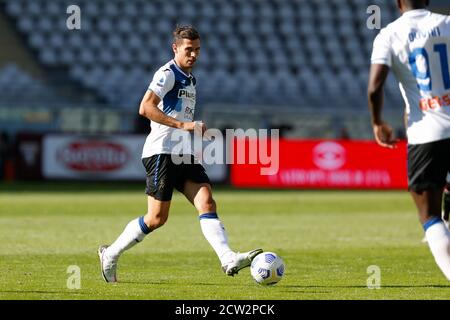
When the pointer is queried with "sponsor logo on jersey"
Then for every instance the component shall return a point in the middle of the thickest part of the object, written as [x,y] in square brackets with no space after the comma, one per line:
[189,113]
[435,102]
[183,93]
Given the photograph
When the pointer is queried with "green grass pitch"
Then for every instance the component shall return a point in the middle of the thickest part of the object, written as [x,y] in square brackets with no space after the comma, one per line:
[328,239]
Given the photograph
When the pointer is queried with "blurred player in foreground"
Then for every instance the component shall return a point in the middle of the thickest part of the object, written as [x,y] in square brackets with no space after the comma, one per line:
[170,104]
[417,48]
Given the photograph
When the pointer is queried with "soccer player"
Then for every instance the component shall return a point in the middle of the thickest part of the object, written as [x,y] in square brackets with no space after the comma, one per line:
[417,48]
[170,104]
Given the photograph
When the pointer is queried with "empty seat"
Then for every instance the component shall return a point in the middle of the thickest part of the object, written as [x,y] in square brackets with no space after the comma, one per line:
[14,8]
[260,48]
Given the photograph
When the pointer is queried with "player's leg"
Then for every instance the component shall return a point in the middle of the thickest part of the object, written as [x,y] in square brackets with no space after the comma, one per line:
[200,195]
[159,189]
[427,169]
[137,229]
[134,233]
[446,206]
[438,236]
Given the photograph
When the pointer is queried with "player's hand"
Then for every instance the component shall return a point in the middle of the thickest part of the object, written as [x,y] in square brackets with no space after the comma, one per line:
[203,127]
[188,126]
[384,135]
[191,126]
[199,128]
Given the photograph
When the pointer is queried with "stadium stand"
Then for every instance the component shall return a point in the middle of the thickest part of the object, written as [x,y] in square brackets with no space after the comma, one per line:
[270,50]
[24,89]
[300,54]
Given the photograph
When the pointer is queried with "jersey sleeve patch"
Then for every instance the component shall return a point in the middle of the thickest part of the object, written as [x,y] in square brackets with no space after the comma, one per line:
[162,82]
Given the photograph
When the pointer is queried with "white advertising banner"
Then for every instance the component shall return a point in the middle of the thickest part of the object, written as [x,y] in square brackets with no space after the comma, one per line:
[93,157]
[114,157]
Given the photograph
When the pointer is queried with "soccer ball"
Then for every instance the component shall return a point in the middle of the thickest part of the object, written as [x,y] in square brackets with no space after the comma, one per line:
[267,268]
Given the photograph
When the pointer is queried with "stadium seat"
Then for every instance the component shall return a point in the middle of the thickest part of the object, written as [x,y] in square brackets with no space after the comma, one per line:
[250,46]
[13,92]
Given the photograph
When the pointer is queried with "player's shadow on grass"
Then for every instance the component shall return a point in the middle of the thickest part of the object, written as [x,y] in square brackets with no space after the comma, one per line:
[43,292]
[167,283]
[365,287]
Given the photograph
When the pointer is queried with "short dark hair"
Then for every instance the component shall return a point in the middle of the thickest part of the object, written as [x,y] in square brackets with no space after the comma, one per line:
[418,3]
[185,32]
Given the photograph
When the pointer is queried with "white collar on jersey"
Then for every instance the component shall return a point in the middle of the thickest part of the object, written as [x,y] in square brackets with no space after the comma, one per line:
[179,69]
[415,12]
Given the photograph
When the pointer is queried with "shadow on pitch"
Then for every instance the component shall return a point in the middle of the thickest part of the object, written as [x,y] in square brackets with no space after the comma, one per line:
[365,287]
[77,292]
[166,283]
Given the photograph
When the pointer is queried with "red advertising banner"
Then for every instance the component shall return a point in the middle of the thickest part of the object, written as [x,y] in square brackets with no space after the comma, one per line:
[321,164]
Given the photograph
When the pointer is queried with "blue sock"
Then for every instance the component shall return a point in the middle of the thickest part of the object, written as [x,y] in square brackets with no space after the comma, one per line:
[215,234]
[143,226]
[431,222]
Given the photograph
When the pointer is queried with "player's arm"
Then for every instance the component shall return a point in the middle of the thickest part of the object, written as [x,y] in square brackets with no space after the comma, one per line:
[162,82]
[382,131]
[149,109]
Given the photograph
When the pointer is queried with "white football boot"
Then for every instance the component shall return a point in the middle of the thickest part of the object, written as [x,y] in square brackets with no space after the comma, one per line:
[238,261]
[108,265]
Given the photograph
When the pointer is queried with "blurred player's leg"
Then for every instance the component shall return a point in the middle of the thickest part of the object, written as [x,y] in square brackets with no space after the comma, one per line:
[438,236]
[201,197]
[134,232]
[446,206]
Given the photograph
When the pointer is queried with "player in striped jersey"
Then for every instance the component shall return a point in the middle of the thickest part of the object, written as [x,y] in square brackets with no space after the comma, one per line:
[170,104]
[416,47]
